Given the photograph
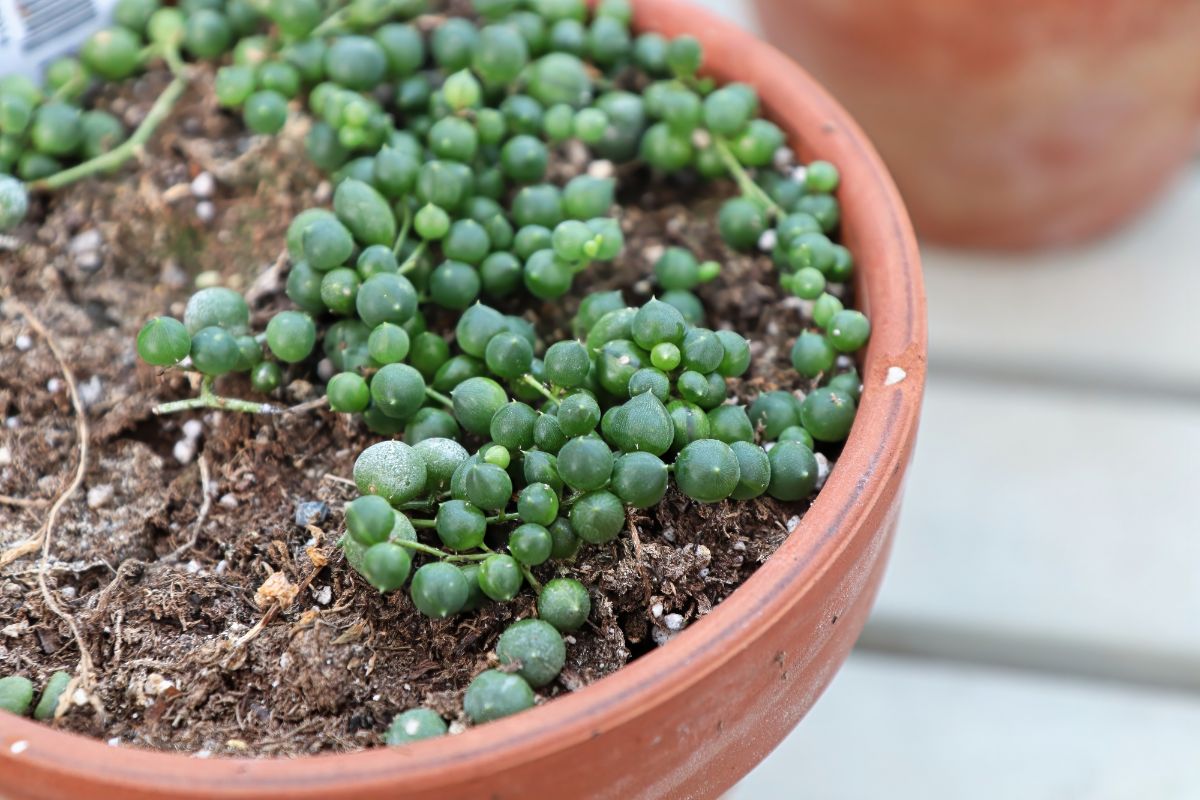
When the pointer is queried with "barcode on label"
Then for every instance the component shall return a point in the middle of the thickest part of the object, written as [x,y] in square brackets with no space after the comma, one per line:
[46,20]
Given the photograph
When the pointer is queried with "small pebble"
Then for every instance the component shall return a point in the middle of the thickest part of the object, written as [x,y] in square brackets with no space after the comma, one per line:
[652,253]
[673,622]
[228,501]
[99,496]
[86,242]
[894,376]
[184,451]
[91,390]
[311,512]
[68,592]
[172,275]
[657,609]
[192,567]
[823,469]
[601,168]
[23,342]
[203,185]
[89,261]
[768,240]
[53,385]
[324,595]
[193,428]
[5,456]
[206,211]
[325,369]
[660,636]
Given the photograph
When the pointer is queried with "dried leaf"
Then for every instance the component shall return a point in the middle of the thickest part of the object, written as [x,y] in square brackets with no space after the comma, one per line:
[276,589]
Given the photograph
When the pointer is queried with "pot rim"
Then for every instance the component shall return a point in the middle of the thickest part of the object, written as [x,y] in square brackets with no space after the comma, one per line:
[890,287]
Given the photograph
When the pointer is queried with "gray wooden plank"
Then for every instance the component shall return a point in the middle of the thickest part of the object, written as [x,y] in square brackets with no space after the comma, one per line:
[906,729]
[1050,528]
[1118,311]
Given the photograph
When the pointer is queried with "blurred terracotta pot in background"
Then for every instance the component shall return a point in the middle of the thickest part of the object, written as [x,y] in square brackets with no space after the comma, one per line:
[687,720]
[1016,124]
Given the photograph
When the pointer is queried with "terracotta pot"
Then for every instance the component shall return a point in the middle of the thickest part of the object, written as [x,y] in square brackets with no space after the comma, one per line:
[1015,124]
[689,719]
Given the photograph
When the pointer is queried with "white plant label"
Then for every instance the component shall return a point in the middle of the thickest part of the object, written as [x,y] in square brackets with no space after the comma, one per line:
[35,32]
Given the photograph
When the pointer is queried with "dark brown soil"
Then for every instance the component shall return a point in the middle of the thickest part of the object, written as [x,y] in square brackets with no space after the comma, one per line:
[164,583]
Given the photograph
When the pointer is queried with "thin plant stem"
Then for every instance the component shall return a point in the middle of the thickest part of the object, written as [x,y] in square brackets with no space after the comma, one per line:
[534,582]
[331,24]
[410,263]
[208,399]
[441,398]
[69,89]
[402,237]
[746,184]
[540,387]
[133,145]
[417,505]
[441,554]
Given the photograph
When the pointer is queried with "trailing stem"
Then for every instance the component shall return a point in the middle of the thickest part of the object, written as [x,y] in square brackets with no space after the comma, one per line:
[106,162]
[410,263]
[539,386]
[749,189]
[441,398]
[209,399]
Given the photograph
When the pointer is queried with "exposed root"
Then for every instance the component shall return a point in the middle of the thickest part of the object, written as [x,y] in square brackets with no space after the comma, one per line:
[21,502]
[641,561]
[311,405]
[45,537]
[328,476]
[206,495]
